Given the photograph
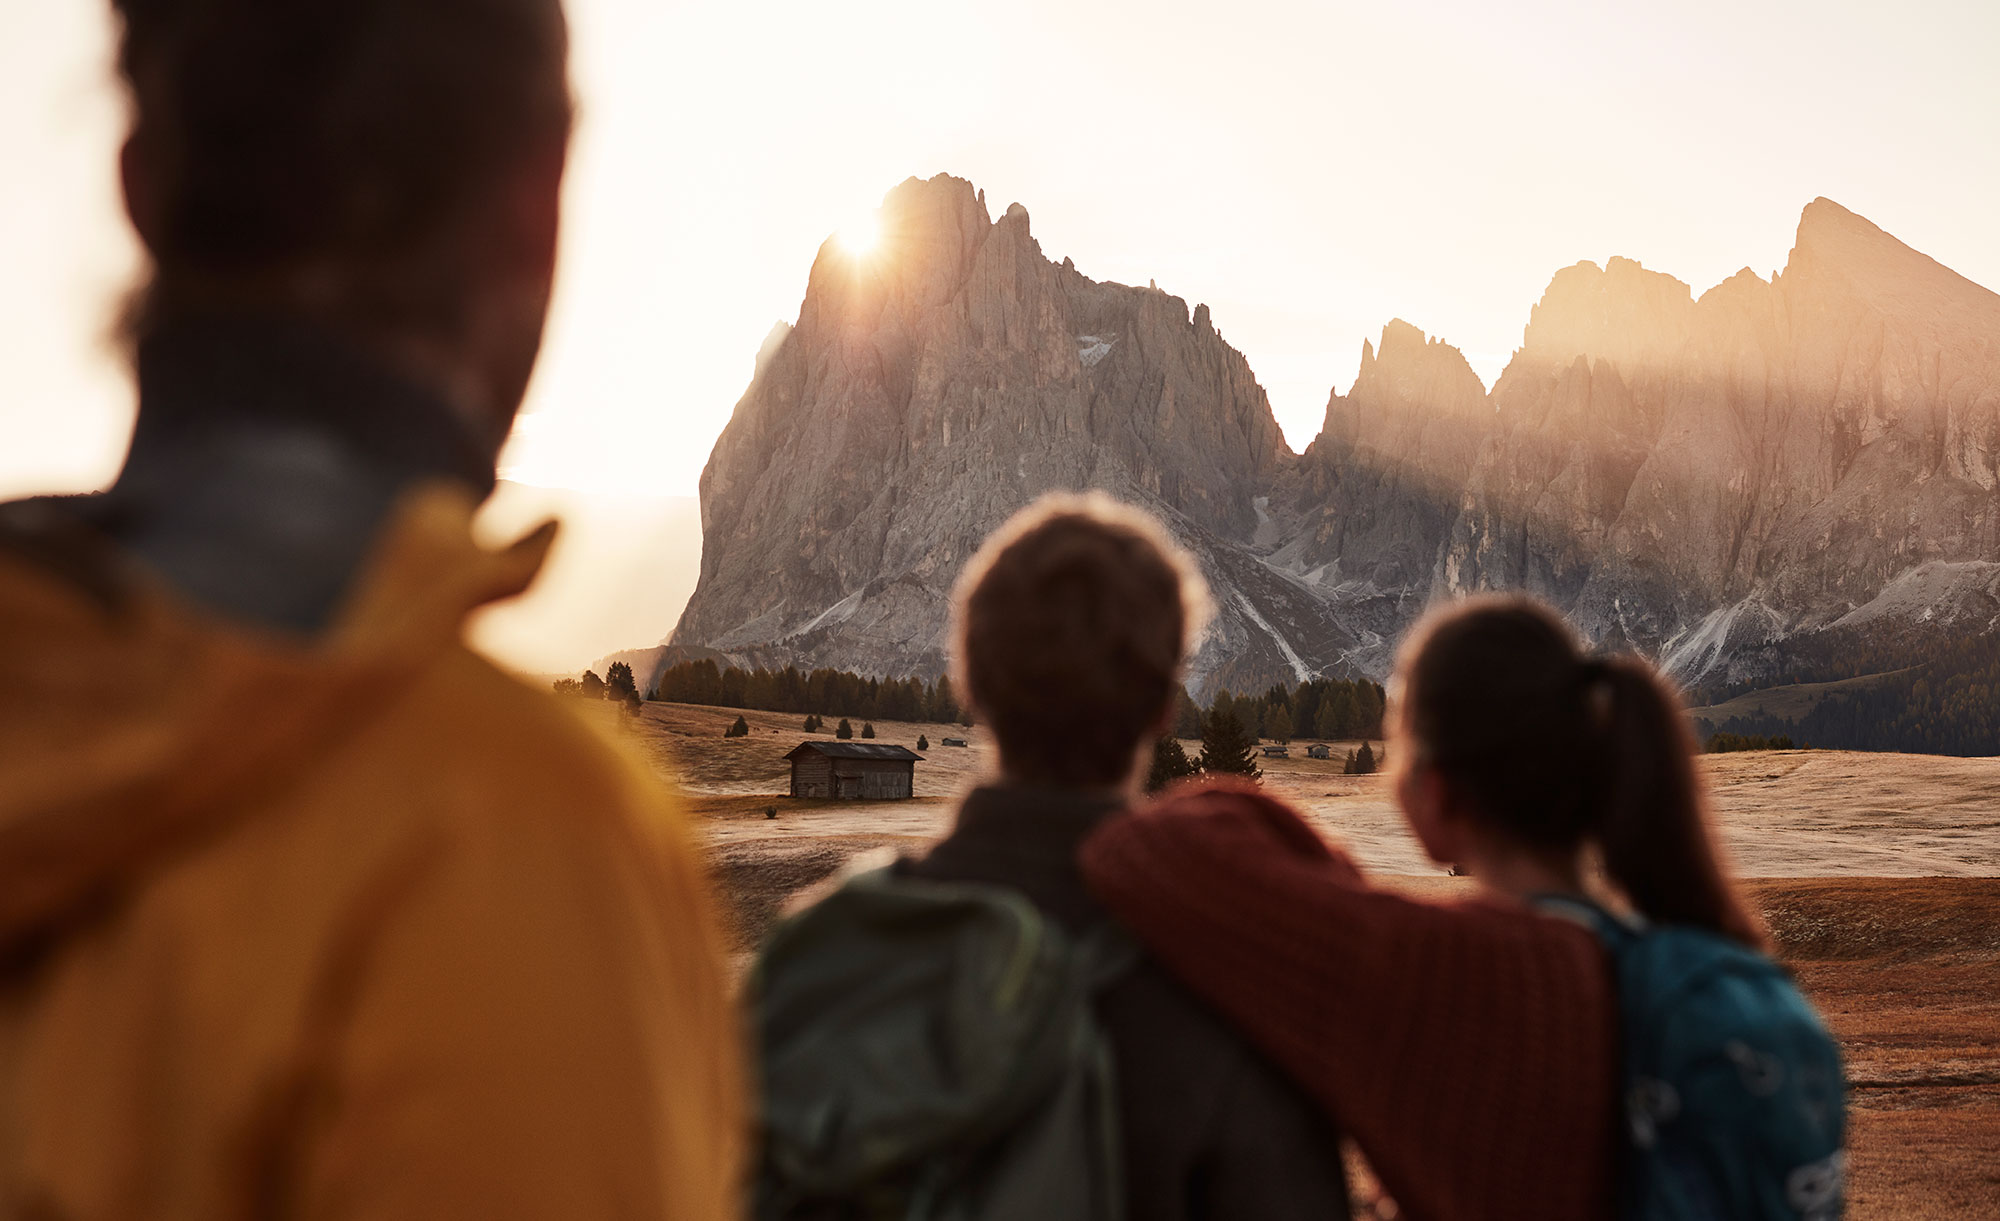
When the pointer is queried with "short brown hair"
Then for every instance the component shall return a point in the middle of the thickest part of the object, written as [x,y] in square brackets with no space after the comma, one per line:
[1071,626]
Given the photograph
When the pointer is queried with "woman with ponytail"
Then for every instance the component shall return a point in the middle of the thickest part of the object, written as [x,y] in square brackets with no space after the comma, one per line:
[1474,1050]
[1520,755]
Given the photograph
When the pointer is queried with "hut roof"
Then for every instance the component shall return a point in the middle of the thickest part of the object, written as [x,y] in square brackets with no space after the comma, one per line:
[855,750]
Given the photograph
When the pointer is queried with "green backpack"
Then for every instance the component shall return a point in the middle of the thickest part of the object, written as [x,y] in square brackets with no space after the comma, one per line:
[930,1050]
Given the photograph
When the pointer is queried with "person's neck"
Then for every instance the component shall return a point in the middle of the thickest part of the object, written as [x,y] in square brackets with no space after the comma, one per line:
[1126,790]
[459,382]
[1520,873]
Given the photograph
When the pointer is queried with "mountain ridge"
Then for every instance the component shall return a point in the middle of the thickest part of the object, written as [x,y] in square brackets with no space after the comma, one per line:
[1698,477]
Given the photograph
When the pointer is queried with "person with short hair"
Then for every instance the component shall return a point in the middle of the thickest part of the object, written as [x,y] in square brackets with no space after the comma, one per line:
[1071,628]
[305,909]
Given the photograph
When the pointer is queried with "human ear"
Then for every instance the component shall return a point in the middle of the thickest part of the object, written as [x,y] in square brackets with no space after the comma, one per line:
[534,210]
[135,181]
[1429,809]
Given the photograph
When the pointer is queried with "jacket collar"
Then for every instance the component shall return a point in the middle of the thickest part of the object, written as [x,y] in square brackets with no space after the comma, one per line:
[268,458]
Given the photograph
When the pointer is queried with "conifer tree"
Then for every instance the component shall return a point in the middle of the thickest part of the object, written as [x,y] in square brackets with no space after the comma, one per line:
[618,684]
[1223,702]
[923,743]
[1226,746]
[1363,763]
[1277,722]
[740,729]
[1170,763]
[843,731]
[867,730]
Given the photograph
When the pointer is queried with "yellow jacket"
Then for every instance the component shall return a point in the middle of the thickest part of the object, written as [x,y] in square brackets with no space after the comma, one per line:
[365,929]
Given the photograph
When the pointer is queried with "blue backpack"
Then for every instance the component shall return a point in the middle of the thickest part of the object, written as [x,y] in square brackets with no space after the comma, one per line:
[1734,1100]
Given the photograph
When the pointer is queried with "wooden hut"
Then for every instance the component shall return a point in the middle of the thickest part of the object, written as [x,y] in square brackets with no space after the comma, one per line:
[1277,752]
[1320,750]
[862,771]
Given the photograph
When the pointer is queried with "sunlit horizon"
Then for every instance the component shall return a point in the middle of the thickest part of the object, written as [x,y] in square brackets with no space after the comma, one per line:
[1308,172]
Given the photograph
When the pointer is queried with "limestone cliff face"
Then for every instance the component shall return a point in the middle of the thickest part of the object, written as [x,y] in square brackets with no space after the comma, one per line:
[1693,477]
[930,389]
[1381,484]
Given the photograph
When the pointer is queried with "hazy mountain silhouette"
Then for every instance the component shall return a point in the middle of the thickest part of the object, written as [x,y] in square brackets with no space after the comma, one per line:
[1695,477]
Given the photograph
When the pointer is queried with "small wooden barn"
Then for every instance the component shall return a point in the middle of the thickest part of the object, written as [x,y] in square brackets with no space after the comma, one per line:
[1277,752]
[951,742]
[861,771]
[1320,750]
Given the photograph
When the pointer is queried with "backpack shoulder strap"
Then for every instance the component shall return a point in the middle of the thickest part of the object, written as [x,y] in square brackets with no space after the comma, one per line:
[1110,953]
[1613,929]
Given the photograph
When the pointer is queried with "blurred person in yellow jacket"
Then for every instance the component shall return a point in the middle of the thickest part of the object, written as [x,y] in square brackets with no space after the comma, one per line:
[306,910]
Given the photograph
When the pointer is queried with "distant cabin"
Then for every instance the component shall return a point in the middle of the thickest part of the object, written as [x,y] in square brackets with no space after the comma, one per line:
[951,741]
[1277,752]
[1319,750]
[861,771]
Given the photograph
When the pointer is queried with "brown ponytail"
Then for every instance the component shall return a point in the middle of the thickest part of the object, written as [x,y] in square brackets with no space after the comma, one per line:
[1653,827]
[1556,750]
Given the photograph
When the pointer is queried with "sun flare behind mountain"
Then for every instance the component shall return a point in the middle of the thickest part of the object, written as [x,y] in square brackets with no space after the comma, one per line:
[860,236]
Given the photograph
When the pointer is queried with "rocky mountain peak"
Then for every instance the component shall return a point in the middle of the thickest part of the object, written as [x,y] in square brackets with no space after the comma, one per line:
[1840,255]
[933,385]
[1620,311]
[1828,230]
[1410,368]
[1702,480]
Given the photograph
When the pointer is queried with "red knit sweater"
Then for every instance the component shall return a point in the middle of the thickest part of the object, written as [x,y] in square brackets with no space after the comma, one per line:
[1470,1049]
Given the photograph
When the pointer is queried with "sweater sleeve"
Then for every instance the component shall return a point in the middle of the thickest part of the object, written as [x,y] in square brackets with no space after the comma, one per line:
[1469,1048]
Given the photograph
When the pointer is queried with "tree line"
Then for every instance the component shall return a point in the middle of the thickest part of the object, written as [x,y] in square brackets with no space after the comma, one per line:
[617,686]
[1935,698]
[1328,709]
[1724,743]
[840,693]
[1229,730]
[1324,708]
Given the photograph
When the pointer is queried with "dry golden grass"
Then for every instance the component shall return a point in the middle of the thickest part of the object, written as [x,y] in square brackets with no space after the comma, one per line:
[1781,813]
[686,741]
[1905,968]
[1907,974]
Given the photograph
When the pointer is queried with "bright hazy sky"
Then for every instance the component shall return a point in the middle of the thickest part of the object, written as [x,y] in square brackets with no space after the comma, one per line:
[1310,170]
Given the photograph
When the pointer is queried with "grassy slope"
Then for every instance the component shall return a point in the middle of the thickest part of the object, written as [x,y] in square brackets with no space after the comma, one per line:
[1789,702]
